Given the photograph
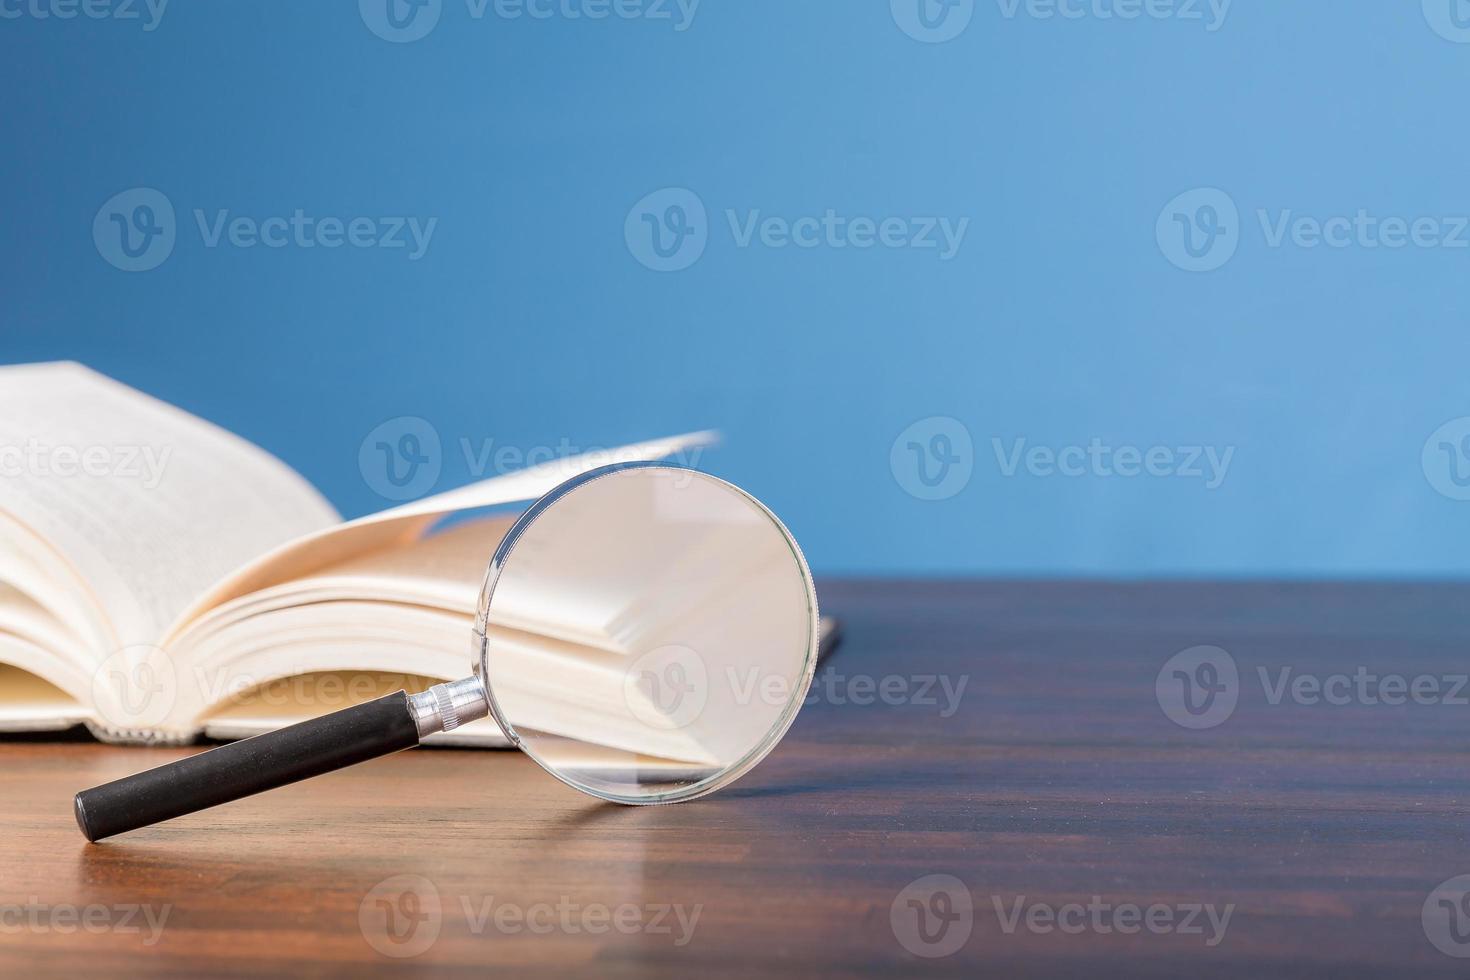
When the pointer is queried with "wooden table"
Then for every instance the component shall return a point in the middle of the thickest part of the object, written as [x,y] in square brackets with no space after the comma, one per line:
[1060,787]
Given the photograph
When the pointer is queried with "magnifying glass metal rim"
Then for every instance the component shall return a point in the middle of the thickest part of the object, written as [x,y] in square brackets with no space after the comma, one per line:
[725,776]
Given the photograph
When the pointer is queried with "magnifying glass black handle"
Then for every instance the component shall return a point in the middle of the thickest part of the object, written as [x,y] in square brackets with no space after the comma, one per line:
[253,765]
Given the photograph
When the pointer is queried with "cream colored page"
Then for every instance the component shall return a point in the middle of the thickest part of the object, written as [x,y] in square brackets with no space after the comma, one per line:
[32,568]
[28,703]
[448,565]
[442,570]
[400,525]
[151,504]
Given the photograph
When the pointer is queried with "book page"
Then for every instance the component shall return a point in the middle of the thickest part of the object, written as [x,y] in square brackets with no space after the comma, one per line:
[30,704]
[149,503]
[407,523]
[443,570]
[34,572]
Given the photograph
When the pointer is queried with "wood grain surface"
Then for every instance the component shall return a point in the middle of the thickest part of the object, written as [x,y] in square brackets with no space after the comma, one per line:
[1056,786]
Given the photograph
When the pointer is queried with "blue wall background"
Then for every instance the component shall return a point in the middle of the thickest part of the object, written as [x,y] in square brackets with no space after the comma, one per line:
[1064,317]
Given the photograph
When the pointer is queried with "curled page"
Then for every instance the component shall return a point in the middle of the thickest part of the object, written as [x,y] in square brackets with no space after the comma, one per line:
[320,549]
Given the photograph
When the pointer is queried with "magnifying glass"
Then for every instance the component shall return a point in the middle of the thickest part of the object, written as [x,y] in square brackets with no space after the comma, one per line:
[646,632]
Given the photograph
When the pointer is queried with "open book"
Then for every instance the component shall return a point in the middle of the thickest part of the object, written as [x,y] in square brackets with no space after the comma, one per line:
[161,577]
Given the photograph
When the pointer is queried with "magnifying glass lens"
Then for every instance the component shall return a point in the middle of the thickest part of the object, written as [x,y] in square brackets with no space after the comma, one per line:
[647,635]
